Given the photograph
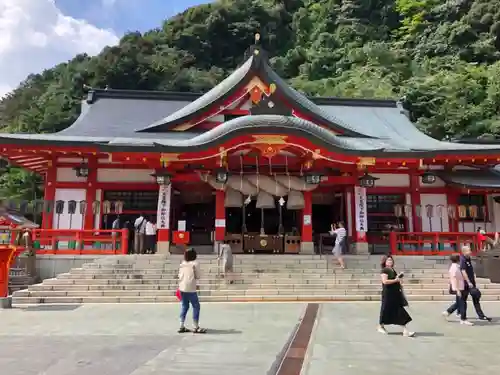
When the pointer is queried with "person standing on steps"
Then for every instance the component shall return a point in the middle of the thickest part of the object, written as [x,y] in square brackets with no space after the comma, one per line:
[340,237]
[458,287]
[140,234]
[392,309]
[470,280]
[150,237]
[189,274]
[227,263]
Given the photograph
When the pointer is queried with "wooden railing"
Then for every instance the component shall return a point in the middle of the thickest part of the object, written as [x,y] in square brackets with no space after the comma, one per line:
[432,243]
[77,241]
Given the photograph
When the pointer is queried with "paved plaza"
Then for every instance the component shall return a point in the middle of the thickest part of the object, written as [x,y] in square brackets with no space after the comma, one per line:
[243,339]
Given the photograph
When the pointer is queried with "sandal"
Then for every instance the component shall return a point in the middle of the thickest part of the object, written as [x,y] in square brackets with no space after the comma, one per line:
[183,330]
[200,330]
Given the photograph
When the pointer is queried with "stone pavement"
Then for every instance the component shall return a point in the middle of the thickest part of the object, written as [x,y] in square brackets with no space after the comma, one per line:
[246,339]
[345,342]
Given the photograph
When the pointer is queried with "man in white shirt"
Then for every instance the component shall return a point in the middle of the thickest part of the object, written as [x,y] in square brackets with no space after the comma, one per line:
[340,236]
[140,234]
[115,235]
[150,237]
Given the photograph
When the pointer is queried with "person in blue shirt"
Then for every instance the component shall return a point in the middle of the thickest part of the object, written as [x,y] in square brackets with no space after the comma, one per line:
[469,276]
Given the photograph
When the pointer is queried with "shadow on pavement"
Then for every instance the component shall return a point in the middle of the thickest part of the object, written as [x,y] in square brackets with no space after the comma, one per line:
[51,308]
[419,334]
[211,331]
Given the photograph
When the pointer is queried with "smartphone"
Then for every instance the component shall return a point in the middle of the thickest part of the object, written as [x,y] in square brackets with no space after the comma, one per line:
[401,275]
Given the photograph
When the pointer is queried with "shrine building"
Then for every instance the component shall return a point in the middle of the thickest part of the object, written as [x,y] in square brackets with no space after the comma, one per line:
[257,164]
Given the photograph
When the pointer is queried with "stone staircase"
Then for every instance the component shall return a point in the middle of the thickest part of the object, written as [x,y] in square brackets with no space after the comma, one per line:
[152,278]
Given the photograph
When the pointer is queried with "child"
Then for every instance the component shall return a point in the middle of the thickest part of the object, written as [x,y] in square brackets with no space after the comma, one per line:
[189,274]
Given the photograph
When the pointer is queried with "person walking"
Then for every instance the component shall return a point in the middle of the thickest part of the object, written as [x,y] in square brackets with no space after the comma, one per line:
[140,234]
[189,274]
[227,262]
[458,287]
[340,236]
[470,280]
[392,309]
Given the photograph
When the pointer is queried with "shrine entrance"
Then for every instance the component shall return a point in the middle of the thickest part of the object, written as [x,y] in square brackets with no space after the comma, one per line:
[263,230]
[327,208]
[193,210]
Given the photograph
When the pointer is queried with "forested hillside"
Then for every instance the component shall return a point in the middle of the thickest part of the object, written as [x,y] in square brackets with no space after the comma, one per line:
[442,56]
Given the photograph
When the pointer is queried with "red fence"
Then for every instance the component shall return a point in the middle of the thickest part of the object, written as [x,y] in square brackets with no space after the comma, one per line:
[77,241]
[432,243]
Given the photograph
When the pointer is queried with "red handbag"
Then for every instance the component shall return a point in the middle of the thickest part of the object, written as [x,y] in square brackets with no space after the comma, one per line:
[178,294]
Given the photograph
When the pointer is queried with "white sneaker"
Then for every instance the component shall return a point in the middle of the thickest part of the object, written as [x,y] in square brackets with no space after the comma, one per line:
[466,323]
[445,315]
[382,330]
[408,334]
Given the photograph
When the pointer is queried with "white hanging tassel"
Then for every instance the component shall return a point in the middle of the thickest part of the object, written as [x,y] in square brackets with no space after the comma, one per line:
[241,172]
[257,165]
[288,174]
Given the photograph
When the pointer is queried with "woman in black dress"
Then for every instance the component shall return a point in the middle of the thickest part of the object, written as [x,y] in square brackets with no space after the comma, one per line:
[392,310]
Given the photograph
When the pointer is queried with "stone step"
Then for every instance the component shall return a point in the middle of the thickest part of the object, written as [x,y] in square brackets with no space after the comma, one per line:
[173,286]
[249,269]
[283,273]
[237,280]
[261,264]
[235,298]
[230,292]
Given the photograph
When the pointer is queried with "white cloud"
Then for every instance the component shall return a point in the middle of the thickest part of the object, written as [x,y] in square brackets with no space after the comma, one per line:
[35,35]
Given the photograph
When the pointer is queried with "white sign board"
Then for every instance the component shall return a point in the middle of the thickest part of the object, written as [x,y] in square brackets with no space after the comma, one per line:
[163,213]
[307,219]
[181,225]
[220,223]
[360,209]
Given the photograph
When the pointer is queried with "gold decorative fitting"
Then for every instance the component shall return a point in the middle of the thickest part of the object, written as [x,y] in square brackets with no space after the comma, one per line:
[169,157]
[272,88]
[270,139]
[256,52]
[367,161]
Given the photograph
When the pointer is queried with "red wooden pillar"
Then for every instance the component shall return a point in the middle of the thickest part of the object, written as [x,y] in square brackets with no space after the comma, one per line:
[50,194]
[415,201]
[90,194]
[307,232]
[220,216]
[6,257]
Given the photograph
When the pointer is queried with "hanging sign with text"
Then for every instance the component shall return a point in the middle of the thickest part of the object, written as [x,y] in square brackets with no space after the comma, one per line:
[360,213]
[163,213]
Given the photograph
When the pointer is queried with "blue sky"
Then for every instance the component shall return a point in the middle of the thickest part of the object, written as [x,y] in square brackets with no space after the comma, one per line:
[38,34]
[125,15]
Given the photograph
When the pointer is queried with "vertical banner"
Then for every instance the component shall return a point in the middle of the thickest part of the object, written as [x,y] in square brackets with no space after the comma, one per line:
[163,213]
[360,212]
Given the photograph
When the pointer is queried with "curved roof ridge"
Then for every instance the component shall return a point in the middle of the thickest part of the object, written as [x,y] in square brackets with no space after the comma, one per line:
[307,104]
[230,84]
